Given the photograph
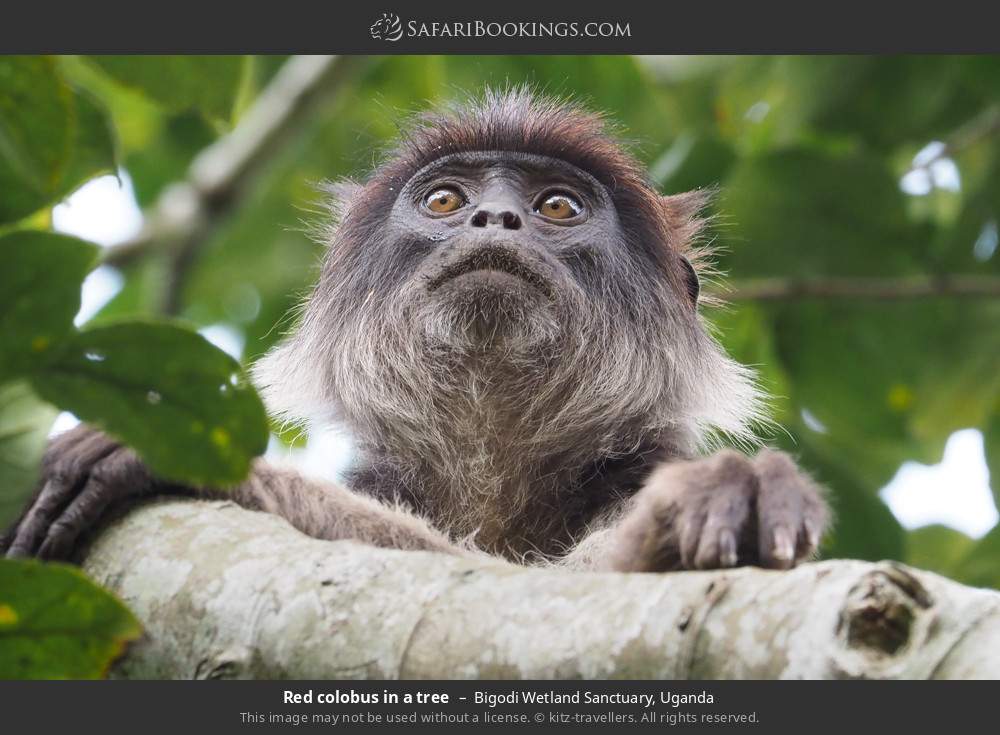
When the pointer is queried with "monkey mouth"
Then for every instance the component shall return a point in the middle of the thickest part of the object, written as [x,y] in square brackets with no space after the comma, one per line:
[492,260]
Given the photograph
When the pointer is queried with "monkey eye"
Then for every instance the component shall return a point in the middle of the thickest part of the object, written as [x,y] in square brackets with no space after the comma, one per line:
[444,200]
[559,205]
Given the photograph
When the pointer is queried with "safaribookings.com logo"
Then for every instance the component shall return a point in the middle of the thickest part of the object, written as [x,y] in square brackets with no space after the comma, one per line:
[390,28]
[387,28]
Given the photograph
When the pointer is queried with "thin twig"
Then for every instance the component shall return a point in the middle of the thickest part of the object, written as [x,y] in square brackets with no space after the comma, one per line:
[874,289]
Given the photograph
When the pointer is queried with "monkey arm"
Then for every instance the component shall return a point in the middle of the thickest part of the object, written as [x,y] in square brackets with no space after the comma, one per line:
[85,474]
[325,510]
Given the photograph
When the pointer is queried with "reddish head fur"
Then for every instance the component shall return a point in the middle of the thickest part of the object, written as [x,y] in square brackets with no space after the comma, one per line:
[520,121]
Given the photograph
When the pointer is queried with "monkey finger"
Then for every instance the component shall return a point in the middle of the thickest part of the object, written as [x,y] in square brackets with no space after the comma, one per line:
[691,527]
[727,521]
[803,547]
[76,455]
[62,534]
[717,549]
[728,554]
[810,534]
[783,505]
[33,527]
[106,484]
[777,548]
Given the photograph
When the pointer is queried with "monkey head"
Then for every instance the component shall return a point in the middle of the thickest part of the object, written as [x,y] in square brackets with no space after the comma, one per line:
[509,249]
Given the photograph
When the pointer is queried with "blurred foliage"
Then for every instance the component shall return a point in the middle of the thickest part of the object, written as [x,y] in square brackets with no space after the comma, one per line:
[178,400]
[57,624]
[52,136]
[827,166]
[207,84]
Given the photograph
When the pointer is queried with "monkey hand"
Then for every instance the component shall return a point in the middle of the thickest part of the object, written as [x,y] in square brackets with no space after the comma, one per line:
[83,473]
[721,511]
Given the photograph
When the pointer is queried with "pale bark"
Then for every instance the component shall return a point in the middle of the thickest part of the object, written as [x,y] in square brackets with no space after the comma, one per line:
[224,592]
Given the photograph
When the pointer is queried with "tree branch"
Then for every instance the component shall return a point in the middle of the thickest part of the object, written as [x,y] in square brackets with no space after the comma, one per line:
[187,212]
[225,592]
[876,289]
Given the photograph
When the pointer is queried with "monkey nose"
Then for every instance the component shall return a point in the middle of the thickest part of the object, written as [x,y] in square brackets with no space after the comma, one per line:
[496,214]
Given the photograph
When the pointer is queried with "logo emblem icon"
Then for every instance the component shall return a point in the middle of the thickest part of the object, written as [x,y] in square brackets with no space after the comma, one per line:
[387,28]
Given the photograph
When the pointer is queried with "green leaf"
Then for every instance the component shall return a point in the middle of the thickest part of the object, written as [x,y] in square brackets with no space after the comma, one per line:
[36,134]
[886,100]
[93,143]
[39,293]
[804,213]
[24,427]
[882,101]
[52,139]
[206,83]
[135,118]
[182,403]
[891,381]
[57,624]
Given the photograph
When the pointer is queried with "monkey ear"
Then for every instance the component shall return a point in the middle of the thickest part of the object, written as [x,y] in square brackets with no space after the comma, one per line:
[685,220]
[340,195]
[691,280]
[685,215]
[689,205]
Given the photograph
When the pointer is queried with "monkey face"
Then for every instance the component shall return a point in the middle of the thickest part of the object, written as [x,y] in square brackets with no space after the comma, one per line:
[506,249]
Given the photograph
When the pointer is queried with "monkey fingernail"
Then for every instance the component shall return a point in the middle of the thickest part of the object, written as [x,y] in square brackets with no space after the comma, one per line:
[727,548]
[784,549]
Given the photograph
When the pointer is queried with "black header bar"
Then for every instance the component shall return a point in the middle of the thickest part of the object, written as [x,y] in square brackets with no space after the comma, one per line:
[394,26]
